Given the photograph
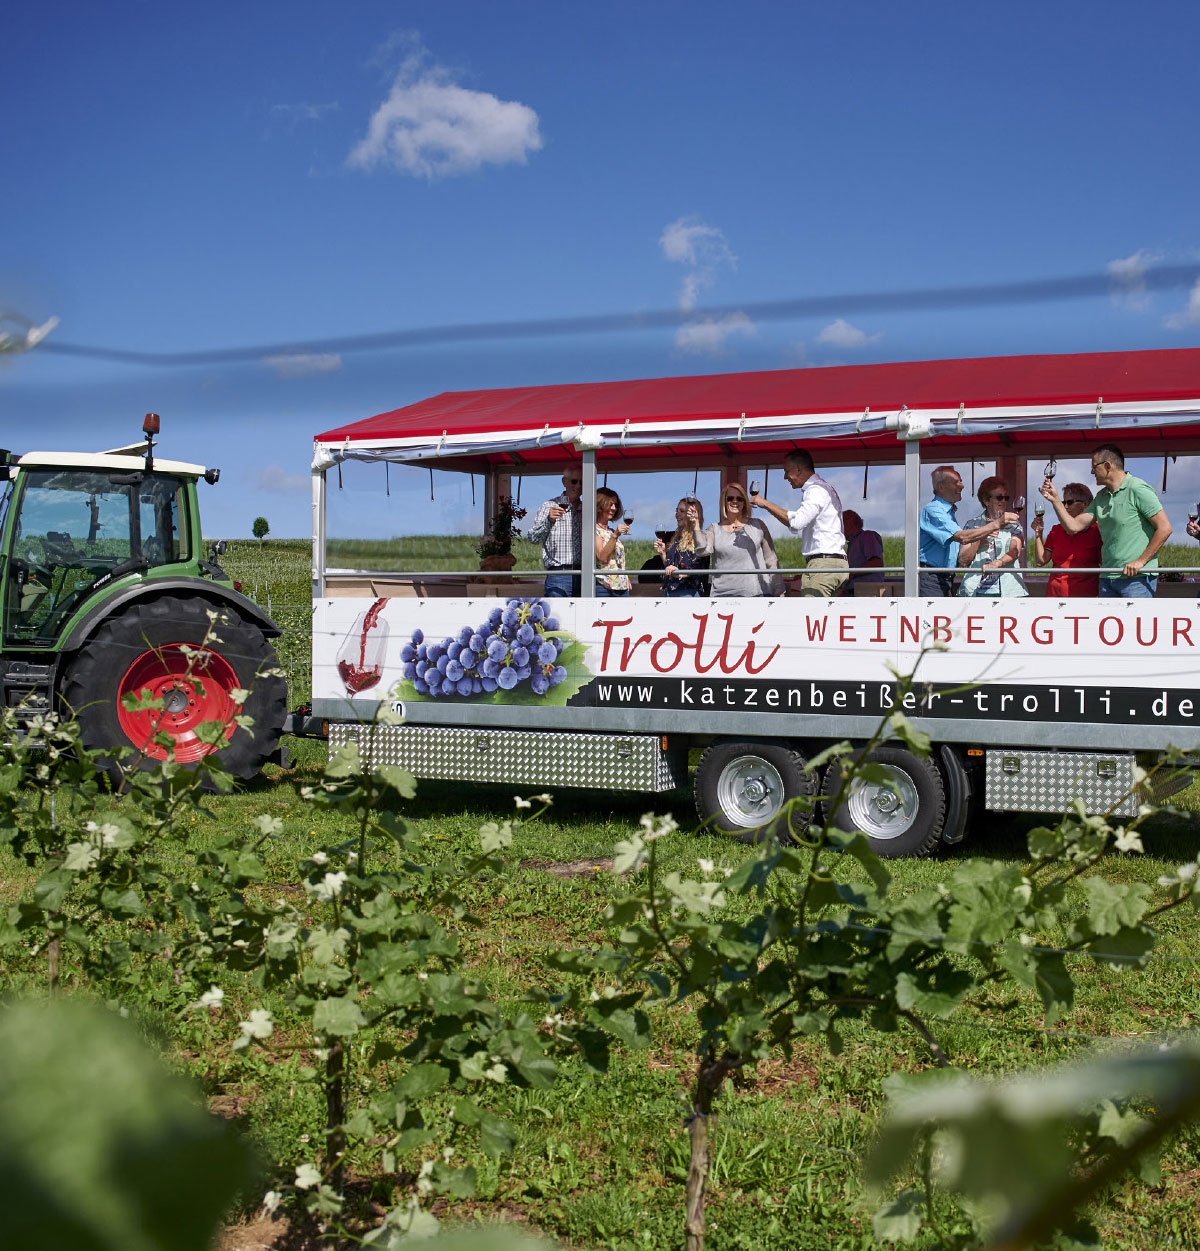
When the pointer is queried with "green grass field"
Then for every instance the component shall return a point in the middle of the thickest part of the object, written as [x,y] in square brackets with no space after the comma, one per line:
[599,1163]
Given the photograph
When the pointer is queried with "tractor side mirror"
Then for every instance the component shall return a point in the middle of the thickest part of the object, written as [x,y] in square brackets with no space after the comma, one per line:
[218,548]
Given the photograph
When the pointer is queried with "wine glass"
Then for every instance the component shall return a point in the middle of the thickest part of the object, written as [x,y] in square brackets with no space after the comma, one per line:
[754,487]
[1039,507]
[628,519]
[361,657]
[1051,468]
[1018,504]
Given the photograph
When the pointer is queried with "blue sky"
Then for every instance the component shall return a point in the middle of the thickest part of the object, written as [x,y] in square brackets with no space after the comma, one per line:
[185,177]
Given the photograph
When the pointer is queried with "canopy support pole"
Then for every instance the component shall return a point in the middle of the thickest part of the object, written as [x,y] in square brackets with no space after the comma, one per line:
[587,526]
[912,516]
[318,533]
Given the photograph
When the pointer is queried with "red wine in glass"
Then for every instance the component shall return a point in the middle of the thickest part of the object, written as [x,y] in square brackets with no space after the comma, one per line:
[357,679]
[361,657]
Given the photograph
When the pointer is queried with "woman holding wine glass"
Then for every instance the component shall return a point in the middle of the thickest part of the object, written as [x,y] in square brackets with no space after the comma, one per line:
[679,551]
[611,578]
[1065,550]
[743,556]
[994,557]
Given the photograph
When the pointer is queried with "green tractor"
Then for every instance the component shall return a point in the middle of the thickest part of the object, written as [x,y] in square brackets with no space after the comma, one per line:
[110,612]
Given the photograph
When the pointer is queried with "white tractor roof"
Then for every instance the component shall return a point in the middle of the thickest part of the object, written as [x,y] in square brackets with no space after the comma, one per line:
[105,460]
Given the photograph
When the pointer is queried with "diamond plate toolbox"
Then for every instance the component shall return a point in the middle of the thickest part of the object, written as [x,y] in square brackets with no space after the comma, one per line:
[1050,781]
[636,762]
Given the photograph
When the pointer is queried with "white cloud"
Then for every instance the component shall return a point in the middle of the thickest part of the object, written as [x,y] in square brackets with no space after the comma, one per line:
[304,364]
[431,127]
[702,248]
[1189,316]
[278,481]
[1129,278]
[842,334]
[707,336]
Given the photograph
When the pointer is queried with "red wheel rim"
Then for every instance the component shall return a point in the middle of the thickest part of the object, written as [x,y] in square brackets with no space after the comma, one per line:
[194,685]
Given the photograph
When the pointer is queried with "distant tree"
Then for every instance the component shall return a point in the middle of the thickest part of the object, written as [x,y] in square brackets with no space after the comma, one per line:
[261,528]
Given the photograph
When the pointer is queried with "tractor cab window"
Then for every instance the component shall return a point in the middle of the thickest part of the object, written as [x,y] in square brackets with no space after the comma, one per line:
[75,528]
[160,504]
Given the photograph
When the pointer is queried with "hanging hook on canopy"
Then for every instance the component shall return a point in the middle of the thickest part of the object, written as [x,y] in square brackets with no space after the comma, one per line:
[431,482]
[741,427]
[695,481]
[866,467]
[472,490]
[962,412]
[1165,458]
[387,479]
[518,501]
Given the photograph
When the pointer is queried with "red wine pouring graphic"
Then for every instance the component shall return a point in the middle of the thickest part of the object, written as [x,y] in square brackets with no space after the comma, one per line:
[361,657]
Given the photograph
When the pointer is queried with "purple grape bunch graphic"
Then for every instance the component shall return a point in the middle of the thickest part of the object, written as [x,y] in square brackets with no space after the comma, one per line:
[517,643]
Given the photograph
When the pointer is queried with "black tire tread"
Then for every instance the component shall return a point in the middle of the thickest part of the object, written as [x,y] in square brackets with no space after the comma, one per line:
[88,688]
[925,844]
[708,766]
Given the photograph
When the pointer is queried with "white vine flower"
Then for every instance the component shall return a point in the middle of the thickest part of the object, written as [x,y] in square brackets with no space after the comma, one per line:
[328,888]
[212,998]
[307,1176]
[544,798]
[522,803]
[271,1200]
[260,1024]
[1128,840]
[656,826]
[706,866]
[319,857]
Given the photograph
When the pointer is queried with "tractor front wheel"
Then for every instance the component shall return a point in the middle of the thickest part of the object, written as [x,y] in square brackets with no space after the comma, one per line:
[152,674]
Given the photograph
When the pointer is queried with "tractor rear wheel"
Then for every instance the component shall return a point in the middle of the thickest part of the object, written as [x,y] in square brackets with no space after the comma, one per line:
[168,650]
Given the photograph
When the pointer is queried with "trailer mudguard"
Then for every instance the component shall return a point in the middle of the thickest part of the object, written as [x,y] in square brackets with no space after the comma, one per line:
[146,588]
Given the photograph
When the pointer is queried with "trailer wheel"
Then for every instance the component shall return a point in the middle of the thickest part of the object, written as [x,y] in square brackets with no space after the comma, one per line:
[742,789]
[159,646]
[904,817]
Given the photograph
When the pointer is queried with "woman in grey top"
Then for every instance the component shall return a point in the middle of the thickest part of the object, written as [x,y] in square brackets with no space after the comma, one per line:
[739,543]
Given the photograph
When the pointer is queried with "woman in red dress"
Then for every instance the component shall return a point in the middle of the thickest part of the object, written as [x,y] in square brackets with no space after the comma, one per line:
[1080,551]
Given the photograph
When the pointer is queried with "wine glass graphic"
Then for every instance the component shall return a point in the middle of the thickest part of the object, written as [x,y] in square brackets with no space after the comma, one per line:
[361,657]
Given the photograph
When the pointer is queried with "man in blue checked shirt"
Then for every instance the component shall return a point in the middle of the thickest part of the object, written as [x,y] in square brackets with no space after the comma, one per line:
[941,535]
[558,527]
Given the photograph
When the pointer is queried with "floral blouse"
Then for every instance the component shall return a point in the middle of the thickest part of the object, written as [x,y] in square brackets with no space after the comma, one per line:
[992,581]
[613,576]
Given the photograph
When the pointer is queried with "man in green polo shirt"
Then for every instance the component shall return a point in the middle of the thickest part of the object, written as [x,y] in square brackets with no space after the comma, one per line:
[1132,525]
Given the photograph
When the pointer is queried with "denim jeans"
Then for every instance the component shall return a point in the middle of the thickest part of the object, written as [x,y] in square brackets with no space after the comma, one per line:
[689,587]
[562,586]
[602,592]
[1140,587]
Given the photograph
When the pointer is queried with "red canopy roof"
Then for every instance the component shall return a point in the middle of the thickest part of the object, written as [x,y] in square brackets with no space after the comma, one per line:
[1013,382]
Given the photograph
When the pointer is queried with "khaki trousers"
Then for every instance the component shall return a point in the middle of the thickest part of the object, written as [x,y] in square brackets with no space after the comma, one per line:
[824,575]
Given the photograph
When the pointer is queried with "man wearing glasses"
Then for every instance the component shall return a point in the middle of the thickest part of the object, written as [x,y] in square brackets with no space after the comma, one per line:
[1131,522]
[558,527]
[941,536]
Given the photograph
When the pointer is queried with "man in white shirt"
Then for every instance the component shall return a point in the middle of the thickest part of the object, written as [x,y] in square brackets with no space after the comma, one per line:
[818,522]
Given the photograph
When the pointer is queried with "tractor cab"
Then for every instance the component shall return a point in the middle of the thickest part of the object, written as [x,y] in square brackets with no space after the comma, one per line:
[80,524]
